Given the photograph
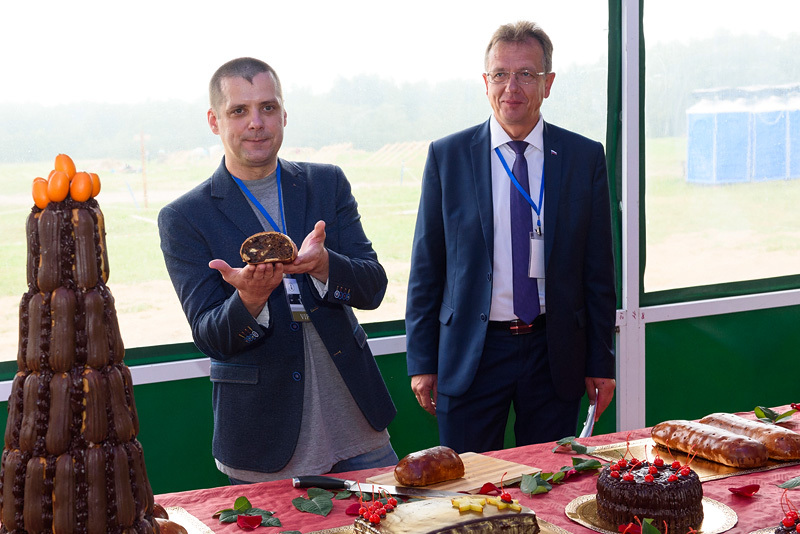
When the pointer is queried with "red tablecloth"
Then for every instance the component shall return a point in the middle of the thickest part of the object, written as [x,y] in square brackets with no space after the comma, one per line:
[760,511]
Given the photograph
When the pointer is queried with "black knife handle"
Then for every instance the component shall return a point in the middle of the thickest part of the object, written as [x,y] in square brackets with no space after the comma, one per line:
[319,482]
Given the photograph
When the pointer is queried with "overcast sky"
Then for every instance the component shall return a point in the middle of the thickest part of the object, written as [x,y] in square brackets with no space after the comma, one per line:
[56,52]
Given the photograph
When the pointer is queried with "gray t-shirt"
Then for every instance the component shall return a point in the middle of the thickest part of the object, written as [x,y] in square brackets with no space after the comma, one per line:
[333,428]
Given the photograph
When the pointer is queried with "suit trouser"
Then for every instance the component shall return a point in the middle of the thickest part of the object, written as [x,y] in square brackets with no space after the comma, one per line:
[514,369]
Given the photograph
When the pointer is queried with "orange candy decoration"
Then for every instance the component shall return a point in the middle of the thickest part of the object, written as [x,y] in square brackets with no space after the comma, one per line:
[80,187]
[63,180]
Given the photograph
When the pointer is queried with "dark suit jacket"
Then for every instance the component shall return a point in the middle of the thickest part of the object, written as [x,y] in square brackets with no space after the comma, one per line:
[258,372]
[450,284]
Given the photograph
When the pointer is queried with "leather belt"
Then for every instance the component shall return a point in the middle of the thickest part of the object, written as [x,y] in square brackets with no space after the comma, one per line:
[517,327]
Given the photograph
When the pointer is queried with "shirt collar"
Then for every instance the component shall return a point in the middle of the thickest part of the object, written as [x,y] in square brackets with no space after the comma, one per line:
[499,137]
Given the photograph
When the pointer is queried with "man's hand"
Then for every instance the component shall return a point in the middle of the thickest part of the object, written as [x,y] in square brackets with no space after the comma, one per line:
[253,282]
[425,389]
[312,258]
[600,392]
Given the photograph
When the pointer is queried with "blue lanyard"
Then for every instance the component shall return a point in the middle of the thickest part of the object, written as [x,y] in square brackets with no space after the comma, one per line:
[522,191]
[261,208]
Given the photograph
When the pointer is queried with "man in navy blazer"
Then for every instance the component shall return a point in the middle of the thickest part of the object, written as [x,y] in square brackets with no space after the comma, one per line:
[469,354]
[296,389]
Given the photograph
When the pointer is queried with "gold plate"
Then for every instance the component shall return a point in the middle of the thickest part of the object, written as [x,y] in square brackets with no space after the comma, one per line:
[717,516]
[187,520]
[705,469]
[544,528]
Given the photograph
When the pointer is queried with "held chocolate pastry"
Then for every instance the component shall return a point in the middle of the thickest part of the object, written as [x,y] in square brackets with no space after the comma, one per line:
[71,461]
[268,247]
[429,466]
[462,515]
[669,493]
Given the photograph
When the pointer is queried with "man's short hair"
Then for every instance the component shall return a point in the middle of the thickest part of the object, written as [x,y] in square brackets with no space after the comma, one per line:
[519,32]
[243,67]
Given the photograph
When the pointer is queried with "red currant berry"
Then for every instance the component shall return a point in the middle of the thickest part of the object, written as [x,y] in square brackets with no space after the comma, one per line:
[506,497]
[672,478]
[628,477]
[788,522]
[392,501]
[374,519]
[362,511]
[614,467]
[659,462]
[389,507]
[652,470]
[792,514]
[634,461]
[649,478]
[798,528]
[381,512]
[676,464]
[615,474]
[623,462]
[685,471]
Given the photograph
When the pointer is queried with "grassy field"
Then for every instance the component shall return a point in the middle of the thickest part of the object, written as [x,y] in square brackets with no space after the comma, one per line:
[696,234]
[385,184]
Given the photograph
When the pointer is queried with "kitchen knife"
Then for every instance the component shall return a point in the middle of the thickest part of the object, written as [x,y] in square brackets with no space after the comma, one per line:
[324,482]
[588,425]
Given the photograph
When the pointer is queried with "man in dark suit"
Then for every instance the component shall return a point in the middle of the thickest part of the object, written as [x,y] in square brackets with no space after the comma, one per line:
[296,389]
[511,296]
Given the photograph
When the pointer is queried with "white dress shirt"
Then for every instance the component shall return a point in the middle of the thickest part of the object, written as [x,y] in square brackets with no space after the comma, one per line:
[502,280]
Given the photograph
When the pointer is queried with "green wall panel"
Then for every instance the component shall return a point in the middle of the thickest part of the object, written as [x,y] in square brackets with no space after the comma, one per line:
[731,363]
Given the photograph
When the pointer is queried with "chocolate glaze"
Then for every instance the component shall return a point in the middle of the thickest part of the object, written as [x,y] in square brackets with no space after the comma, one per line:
[678,502]
[71,461]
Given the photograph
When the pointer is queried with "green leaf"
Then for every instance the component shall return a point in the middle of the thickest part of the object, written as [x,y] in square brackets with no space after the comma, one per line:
[241,503]
[583,464]
[556,477]
[534,484]
[791,484]
[228,516]
[320,505]
[343,495]
[570,443]
[271,522]
[221,511]
[648,528]
[318,492]
[290,532]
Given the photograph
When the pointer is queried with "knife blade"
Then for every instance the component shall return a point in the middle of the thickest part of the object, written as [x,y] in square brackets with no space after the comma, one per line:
[324,482]
[588,425]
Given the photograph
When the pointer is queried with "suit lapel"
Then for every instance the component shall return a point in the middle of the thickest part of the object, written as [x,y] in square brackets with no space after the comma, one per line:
[552,187]
[293,187]
[482,178]
[232,203]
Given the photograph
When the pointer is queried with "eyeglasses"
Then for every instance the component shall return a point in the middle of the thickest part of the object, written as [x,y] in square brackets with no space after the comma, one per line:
[523,77]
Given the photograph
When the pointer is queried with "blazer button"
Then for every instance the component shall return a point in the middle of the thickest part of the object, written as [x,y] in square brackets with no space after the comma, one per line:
[294,326]
[489,277]
[297,376]
[483,317]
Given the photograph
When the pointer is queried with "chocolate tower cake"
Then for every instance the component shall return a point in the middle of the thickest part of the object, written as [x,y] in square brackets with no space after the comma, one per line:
[71,461]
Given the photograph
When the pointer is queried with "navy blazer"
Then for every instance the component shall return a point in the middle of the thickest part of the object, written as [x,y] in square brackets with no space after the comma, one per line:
[450,283]
[258,372]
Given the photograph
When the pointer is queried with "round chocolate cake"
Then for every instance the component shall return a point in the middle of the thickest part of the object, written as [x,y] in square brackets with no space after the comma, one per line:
[644,490]
[71,461]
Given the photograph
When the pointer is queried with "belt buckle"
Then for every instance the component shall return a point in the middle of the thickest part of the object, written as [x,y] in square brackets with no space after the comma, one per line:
[518,327]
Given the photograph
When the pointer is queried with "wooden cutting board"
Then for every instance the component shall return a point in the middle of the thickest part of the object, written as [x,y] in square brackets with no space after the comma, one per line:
[478,470]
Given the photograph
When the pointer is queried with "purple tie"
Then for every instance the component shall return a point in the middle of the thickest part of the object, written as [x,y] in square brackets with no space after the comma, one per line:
[526,291]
